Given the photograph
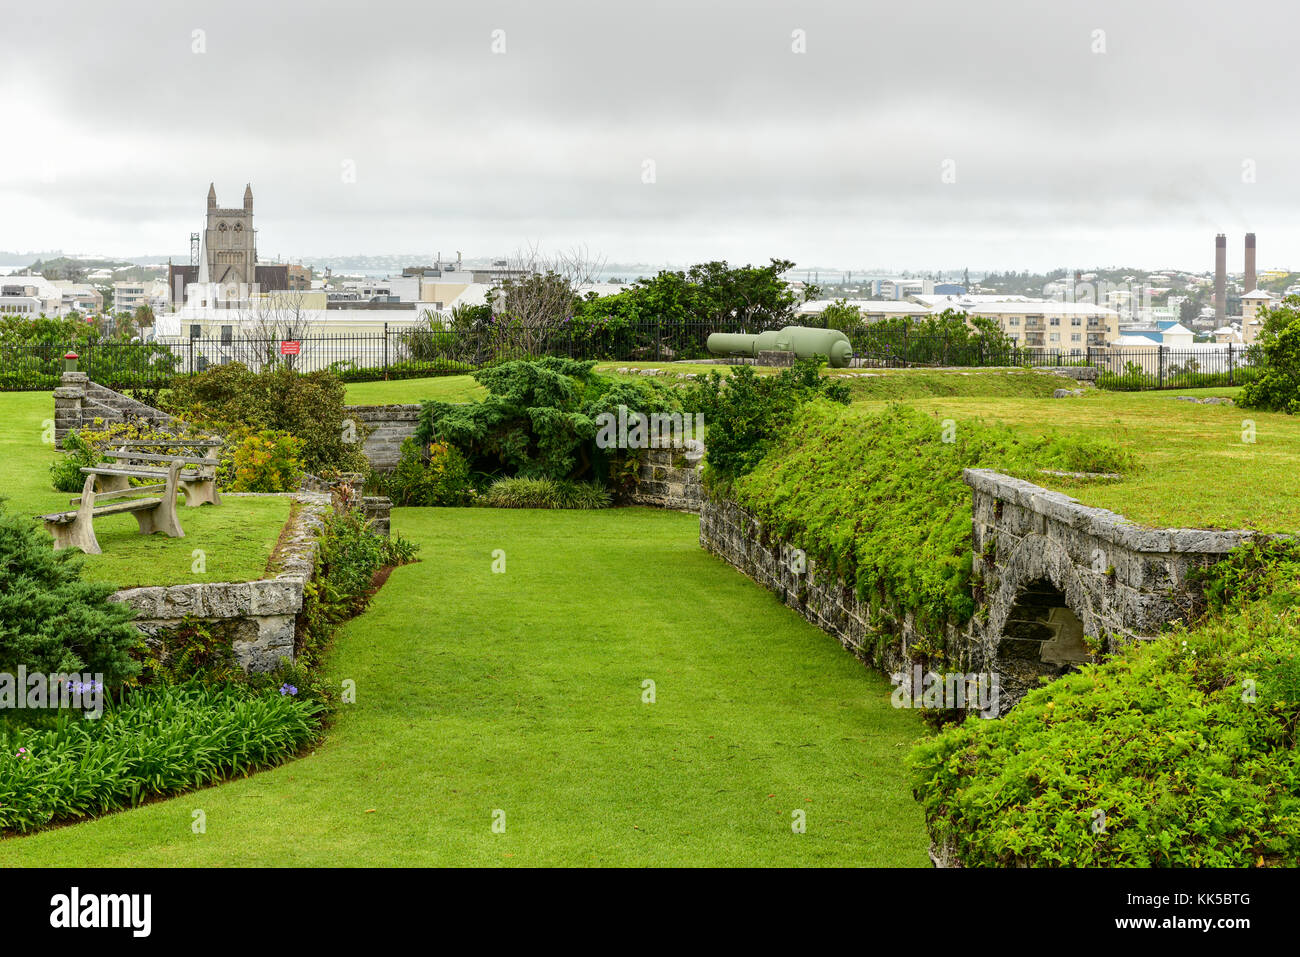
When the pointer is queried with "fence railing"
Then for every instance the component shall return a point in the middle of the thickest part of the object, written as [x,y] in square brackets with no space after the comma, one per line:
[414,351]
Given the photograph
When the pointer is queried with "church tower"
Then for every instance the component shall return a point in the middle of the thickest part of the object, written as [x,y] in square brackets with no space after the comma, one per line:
[231,246]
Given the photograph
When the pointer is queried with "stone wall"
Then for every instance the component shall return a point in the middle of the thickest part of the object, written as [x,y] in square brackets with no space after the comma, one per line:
[667,479]
[1054,576]
[385,427]
[258,618]
[737,537]
[78,402]
[1055,583]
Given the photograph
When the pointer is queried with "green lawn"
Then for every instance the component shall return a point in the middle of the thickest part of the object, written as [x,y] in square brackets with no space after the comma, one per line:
[236,537]
[1198,472]
[447,388]
[522,692]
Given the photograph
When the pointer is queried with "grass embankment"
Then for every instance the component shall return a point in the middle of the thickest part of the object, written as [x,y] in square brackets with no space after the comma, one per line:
[447,388]
[522,692]
[236,537]
[1199,467]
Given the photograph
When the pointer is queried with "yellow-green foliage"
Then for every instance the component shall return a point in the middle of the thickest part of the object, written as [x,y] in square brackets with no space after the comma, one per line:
[267,461]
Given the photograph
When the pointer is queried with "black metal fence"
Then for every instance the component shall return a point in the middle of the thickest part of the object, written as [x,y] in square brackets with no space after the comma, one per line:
[417,351]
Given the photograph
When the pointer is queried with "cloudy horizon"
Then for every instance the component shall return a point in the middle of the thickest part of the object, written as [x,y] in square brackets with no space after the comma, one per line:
[922,136]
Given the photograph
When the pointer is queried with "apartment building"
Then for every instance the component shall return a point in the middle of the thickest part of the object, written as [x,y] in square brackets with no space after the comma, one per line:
[30,296]
[1071,326]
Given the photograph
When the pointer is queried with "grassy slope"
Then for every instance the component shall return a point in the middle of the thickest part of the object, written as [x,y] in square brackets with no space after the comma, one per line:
[1198,471]
[522,691]
[236,537]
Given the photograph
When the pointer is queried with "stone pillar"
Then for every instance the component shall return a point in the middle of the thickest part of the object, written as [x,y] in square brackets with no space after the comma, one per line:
[68,399]
[376,509]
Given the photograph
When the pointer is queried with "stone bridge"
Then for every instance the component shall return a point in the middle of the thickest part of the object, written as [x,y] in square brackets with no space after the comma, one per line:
[1057,579]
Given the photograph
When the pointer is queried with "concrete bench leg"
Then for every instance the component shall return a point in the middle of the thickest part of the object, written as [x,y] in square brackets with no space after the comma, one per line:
[75,534]
[80,532]
[163,517]
[200,492]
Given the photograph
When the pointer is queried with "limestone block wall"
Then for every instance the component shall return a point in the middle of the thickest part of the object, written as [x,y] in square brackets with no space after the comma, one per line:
[667,479]
[385,427]
[1038,553]
[824,599]
[258,618]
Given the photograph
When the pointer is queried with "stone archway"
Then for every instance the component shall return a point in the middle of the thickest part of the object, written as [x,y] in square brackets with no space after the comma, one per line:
[1041,626]
[1040,617]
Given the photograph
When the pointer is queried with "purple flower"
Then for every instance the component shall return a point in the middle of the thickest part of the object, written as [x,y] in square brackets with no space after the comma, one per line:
[288,689]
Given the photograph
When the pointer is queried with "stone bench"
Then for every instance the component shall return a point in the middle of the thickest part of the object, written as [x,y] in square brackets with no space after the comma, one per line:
[76,528]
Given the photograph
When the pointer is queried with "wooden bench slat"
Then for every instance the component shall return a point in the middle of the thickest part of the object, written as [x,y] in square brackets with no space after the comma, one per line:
[171,443]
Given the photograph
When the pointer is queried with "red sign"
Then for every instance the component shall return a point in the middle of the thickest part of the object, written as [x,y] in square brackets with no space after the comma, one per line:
[290,348]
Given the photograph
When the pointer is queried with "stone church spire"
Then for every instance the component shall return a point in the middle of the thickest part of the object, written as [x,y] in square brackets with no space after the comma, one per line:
[248,197]
[212,196]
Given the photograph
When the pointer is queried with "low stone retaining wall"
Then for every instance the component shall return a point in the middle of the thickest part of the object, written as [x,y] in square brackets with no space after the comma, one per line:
[258,618]
[666,479]
[386,427]
[737,537]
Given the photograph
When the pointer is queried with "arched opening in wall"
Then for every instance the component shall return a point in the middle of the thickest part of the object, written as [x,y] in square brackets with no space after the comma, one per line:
[1042,633]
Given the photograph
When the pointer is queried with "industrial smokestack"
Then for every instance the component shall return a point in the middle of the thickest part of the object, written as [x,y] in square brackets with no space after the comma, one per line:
[1220,279]
[1250,263]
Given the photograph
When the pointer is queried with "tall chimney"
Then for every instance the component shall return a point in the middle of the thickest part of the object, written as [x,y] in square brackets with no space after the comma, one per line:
[1220,279]
[1250,263]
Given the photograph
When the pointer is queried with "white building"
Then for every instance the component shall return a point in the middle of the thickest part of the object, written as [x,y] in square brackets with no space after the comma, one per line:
[30,296]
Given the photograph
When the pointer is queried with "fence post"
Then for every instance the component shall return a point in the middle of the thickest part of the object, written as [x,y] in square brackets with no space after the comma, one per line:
[191,351]
[1230,363]
[1160,355]
[386,350]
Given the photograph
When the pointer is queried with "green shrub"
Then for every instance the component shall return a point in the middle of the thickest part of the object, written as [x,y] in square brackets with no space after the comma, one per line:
[744,413]
[538,419]
[544,493]
[65,474]
[307,405]
[1276,358]
[1183,749]
[50,619]
[437,474]
[157,741]
[267,461]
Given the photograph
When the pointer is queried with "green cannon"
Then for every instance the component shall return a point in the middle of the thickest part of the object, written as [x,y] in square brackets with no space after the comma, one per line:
[800,340]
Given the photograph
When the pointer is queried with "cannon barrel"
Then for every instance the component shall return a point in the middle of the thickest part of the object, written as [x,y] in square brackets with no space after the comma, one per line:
[800,340]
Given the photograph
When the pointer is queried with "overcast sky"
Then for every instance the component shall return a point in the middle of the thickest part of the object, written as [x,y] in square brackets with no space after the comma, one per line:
[1061,155]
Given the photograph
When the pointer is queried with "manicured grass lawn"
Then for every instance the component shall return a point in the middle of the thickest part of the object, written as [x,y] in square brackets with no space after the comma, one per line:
[236,538]
[522,692]
[447,388]
[1198,472]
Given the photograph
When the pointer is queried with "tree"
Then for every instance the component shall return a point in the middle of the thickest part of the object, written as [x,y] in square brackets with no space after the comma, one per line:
[842,316]
[1275,356]
[542,295]
[279,316]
